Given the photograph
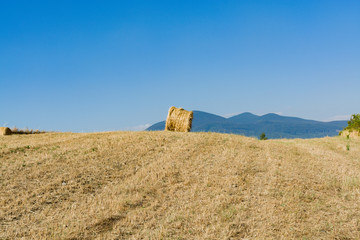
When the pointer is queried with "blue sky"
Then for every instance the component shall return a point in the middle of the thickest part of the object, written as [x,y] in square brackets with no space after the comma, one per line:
[115,65]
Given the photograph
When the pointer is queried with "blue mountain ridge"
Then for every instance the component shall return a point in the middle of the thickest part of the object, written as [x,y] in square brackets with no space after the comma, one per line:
[251,125]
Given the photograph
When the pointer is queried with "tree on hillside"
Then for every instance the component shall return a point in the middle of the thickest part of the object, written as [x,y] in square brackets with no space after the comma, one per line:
[354,122]
[263,137]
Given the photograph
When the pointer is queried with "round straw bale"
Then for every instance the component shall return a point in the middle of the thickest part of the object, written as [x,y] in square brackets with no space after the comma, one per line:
[5,131]
[350,133]
[179,120]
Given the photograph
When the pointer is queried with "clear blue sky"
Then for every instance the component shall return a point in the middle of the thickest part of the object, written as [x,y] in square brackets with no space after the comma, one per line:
[114,65]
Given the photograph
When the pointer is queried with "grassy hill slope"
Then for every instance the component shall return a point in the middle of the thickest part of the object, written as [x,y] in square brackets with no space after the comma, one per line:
[164,185]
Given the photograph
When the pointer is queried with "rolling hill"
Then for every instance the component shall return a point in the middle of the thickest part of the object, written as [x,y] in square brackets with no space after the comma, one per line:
[248,124]
[166,185]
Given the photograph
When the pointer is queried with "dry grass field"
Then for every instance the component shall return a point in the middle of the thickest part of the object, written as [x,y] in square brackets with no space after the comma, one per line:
[166,185]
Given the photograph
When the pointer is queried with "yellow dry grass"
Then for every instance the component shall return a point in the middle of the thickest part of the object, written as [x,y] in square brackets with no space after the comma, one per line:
[168,185]
[179,120]
[5,131]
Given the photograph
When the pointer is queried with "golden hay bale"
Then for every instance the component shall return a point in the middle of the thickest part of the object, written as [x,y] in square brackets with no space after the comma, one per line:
[5,131]
[351,133]
[179,120]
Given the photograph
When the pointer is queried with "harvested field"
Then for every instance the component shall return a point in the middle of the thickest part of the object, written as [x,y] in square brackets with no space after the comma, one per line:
[168,185]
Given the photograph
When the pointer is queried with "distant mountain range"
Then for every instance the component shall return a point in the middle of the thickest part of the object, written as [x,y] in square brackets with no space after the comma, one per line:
[273,125]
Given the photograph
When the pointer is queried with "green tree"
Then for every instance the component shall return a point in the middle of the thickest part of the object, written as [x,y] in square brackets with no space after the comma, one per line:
[263,137]
[354,122]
